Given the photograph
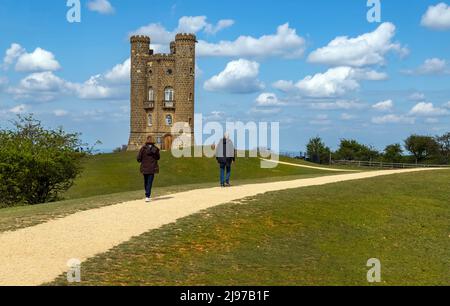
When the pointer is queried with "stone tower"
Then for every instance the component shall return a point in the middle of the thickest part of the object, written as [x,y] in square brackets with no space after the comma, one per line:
[162,90]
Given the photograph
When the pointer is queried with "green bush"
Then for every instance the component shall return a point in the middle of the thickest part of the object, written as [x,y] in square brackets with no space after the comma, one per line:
[36,164]
[352,150]
[317,151]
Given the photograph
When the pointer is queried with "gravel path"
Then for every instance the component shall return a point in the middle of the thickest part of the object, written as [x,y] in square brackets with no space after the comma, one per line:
[309,167]
[38,254]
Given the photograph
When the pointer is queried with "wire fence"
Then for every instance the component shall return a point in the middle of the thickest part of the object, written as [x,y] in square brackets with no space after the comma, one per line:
[357,163]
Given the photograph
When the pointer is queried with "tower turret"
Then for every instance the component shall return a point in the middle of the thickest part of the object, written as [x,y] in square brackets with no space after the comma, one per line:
[140,51]
[185,71]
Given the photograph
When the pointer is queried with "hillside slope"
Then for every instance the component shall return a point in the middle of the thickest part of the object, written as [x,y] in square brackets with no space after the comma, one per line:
[114,173]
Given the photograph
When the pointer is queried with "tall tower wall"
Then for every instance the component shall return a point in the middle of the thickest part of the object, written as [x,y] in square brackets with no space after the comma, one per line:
[155,73]
[185,77]
[140,51]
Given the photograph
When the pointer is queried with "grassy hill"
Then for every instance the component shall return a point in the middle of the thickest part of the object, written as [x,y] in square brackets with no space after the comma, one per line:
[320,235]
[109,179]
[115,173]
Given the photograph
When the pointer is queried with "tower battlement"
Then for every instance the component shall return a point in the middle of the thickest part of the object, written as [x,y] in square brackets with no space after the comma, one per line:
[162,57]
[140,38]
[185,36]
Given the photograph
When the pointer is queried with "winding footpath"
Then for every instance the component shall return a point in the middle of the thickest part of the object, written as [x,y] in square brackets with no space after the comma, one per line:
[38,254]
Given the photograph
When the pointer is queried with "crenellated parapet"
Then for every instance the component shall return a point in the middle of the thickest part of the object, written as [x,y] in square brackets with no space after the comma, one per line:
[186,37]
[162,57]
[140,38]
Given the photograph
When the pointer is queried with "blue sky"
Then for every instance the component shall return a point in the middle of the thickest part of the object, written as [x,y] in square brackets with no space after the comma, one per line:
[257,61]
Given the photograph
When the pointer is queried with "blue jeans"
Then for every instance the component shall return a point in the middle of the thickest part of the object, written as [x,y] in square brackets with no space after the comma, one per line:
[148,184]
[224,179]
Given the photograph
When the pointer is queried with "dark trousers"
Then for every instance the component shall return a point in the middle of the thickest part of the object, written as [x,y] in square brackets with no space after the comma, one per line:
[225,178]
[148,184]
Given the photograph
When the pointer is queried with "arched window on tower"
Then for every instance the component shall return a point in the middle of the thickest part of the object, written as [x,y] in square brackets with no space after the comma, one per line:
[150,120]
[169,94]
[169,120]
[151,94]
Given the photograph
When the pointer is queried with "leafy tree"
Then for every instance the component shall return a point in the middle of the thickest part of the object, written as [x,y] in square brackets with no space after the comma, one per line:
[317,151]
[36,164]
[352,150]
[393,153]
[444,147]
[422,147]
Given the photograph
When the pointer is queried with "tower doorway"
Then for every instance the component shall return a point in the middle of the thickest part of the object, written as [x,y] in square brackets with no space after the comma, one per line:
[168,139]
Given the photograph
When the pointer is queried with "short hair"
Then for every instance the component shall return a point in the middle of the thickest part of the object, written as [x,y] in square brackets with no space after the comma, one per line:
[149,138]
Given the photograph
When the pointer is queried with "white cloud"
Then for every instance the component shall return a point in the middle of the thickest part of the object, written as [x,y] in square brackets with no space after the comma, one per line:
[320,120]
[437,17]
[195,24]
[393,119]
[337,105]
[12,54]
[431,66]
[371,75]
[366,49]
[332,83]
[38,60]
[189,24]
[268,99]
[46,86]
[346,116]
[432,120]
[215,116]
[285,43]
[100,6]
[93,89]
[428,110]
[158,34]
[447,105]
[417,96]
[42,86]
[384,106]
[60,113]
[239,76]
[119,73]
[19,109]
[265,111]
[221,25]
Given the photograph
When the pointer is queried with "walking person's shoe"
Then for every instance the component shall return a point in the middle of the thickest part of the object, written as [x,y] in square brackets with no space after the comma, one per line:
[227,185]
[147,200]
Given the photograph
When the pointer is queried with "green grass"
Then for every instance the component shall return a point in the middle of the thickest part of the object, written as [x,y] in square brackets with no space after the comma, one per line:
[24,216]
[114,178]
[116,173]
[320,235]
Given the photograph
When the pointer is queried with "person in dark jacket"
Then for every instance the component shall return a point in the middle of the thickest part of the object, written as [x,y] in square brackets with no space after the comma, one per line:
[148,157]
[225,155]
